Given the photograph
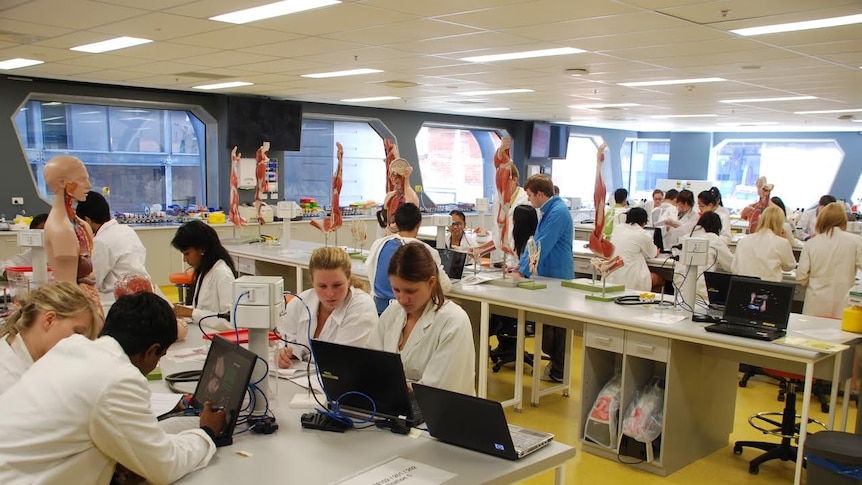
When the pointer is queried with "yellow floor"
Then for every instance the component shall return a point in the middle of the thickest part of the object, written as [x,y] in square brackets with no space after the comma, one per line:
[561,416]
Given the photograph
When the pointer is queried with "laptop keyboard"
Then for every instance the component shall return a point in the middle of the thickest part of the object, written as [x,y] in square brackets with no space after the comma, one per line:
[524,438]
[746,331]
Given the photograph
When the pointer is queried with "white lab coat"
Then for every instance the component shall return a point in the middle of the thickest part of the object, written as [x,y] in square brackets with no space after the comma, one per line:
[764,255]
[828,266]
[686,224]
[439,351]
[374,253]
[348,324]
[519,197]
[15,359]
[724,216]
[805,226]
[215,295]
[467,241]
[117,251]
[82,408]
[719,258]
[633,244]
[18,260]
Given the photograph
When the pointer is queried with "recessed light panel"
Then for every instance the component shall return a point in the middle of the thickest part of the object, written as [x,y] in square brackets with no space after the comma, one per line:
[18,63]
[111,45]
[796,26]
[669,82]
[350,72]
[561,51]
[233,84]
[271,10]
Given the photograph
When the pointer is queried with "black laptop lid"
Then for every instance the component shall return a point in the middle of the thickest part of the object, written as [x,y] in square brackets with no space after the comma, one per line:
[717,286]
[453,262]
[224,379]
[377,374]
[466,421]
[758,302]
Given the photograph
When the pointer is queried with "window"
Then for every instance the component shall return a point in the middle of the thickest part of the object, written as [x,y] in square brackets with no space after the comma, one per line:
[576,175]
[308,172]
[735,165]
[144,156]
[644,162]
[455,162]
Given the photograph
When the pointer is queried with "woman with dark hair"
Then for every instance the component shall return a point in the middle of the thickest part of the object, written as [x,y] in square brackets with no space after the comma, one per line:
[718,258]
[686,218]
[789,231]
[432,334]
[634,244]
[524,224]
[707,202]
[214,274]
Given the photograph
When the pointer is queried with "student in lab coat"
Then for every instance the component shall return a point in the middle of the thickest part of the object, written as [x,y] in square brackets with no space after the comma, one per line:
[24,258]
[214,275]
[788,227]
[828,263]
[805,226]
[706,202]
[337,303]
[634,244]
[85,406]
[432,334]
[766,253]
[719,257]
[684,222]
[457,238]
[43,317]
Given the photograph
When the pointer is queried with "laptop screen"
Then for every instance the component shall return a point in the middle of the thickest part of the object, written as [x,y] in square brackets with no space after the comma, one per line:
[224,379]
[374,373]
[759,302]
[453,262]
[717,286]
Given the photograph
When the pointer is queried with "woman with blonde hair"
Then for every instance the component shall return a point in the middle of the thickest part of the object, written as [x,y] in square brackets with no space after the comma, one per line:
[828,263]
[432,334]
[339,308]
[44,316]
[766,253]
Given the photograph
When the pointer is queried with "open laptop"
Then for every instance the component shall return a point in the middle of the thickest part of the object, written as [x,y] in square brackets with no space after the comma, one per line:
[453,263]
[717,286]
[475,423]
[224,381]
[657,238]
[377,374]
[755,309]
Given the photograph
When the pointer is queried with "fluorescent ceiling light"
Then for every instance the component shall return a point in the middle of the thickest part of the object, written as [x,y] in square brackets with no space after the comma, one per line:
[561,51]
[806,25]
[479,110]
[827,111]
[669,82]
[686,116]
[111,45]
[749,123]
[374,98]
[497,91]
[276,9]
[52,103]
[602,106]
[18,63]
[768,100]
[350,72]
[233,84]
[856,121]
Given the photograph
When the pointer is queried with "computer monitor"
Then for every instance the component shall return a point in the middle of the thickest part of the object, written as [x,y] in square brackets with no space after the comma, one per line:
[759,302]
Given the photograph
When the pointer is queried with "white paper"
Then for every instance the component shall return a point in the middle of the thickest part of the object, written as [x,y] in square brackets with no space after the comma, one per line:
[163,402]
[194,354]
[399,470]
[665,317]
[299,369]
[303,383]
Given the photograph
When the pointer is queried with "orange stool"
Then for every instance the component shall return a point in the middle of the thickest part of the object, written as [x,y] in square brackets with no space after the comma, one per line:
[183,282]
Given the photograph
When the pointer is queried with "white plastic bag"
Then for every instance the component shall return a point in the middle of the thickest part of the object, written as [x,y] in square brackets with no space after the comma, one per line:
[602,422]
[644,417]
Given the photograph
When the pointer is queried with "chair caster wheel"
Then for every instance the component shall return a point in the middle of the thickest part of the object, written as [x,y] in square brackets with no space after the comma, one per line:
[754,469]
[737,450]
[824,408]
[743,383]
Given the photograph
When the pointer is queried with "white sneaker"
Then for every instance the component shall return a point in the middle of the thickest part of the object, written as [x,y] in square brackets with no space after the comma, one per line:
[547,377]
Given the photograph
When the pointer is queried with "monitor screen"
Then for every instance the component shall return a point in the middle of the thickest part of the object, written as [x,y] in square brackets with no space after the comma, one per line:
[559,145]
[759,301]
[252,121]
[540,142]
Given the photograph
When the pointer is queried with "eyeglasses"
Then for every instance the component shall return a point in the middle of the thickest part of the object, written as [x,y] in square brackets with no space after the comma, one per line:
[457,224]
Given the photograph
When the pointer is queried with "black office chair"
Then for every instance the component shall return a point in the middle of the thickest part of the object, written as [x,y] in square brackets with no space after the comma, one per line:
[506,331]
[788,429]
[820,389]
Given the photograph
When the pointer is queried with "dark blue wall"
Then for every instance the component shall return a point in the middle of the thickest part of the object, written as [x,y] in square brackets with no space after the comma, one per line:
[689,156]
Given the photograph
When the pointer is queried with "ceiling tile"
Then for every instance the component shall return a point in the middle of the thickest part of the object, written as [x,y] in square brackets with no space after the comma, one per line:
[159,26]
[78,14]
[235,37]
[410,31]
[537,12]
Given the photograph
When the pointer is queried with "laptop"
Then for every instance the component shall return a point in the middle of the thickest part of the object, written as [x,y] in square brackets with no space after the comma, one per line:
[658,238]
[377,374]
[755,309]
[717,286]
[475,423]
[224,381]
[453,263]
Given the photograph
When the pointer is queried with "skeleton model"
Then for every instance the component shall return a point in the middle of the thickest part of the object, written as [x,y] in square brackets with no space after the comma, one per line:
[358,234]
[606,267]
[534,252]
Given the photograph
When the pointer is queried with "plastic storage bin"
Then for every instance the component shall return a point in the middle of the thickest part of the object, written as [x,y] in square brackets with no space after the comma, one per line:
[834,458]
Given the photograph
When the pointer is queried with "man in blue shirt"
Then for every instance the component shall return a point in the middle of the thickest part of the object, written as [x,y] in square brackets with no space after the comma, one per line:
[555,233]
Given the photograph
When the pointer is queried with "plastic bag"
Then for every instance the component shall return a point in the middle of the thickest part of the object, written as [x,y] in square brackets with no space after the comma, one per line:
[602,422]
[645,414]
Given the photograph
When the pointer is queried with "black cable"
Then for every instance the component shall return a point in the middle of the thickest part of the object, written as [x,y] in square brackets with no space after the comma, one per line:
[180,377]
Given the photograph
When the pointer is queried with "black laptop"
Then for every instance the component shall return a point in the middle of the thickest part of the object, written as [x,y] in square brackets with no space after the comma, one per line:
[453,262]
[475,423]
[717,286]
[755,309]
[346,371]
[224,381]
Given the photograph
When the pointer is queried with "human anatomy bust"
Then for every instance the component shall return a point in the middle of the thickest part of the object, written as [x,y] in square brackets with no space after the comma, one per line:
[67,241]
[401,193]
